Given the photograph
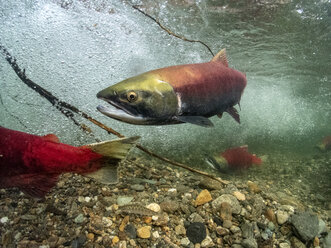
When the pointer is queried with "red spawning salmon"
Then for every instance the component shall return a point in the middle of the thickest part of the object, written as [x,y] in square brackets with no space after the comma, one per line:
[34,163]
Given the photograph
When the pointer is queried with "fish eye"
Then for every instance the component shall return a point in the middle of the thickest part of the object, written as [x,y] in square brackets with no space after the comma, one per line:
[132,96]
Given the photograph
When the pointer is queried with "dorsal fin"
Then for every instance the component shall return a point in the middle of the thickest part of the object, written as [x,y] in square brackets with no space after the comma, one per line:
[221,57]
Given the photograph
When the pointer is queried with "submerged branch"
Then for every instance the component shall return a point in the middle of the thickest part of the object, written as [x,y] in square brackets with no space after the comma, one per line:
[68,110]
[170,32]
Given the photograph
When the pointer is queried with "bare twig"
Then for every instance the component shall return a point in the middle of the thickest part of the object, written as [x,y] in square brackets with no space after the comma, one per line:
[170,32]
[69,110]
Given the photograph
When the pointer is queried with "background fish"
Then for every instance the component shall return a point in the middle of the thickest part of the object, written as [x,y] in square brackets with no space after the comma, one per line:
[177,94]
[33,163]
[233,158]
[325,144]
[240,158]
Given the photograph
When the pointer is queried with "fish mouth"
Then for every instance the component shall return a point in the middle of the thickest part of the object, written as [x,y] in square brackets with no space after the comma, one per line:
[119,112]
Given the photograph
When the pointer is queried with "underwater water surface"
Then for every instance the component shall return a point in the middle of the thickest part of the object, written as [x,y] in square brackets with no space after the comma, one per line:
[74,49]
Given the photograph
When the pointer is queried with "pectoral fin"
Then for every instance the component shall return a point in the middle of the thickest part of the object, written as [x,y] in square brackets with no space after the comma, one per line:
[234,113]
[197,120]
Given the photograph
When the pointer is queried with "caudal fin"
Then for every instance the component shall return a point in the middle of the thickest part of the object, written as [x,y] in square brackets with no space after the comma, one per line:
[113,152]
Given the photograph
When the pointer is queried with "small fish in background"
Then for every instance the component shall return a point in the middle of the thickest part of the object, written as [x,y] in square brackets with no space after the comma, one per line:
[188,93]
[325,144]
[34,163]
[234,158]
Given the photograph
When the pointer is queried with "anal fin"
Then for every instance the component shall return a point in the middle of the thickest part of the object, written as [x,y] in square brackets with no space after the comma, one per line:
[35,185]
[105,175]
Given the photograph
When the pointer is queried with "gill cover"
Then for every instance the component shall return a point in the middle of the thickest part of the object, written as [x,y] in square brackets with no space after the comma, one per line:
[143,99]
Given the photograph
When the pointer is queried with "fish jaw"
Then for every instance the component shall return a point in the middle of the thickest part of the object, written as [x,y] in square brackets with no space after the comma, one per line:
[121,115]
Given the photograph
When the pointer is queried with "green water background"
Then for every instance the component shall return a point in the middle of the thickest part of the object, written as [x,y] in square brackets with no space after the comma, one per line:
[76,48]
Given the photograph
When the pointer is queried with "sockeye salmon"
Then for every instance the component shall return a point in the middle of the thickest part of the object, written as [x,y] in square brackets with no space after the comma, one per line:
[177,94]
[33,163]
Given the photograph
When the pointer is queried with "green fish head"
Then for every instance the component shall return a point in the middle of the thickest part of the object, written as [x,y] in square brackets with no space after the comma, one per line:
[143,99]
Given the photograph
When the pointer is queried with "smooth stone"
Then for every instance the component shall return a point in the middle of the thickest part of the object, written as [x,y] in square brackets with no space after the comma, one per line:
[227,224]
[180,230]
[131,231]
[253,187]
[222,231]
[235,205]
[282,217]
[79,219]
[306,225]
[137,187]
[185,241]
[156,235]
[169,206]
[207,242]
[209,183]
[226,211]
[284,245]
[196,232]
[247,230]
[240,196]
[235,229]
[326,241]
[28,217]
[203,197]
[154,206]
[258,206]
[4,220]
[195,217]
[124,200]
[144,232]
[249,243]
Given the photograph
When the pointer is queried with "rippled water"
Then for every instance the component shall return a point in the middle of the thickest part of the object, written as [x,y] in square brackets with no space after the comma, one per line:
[76,48]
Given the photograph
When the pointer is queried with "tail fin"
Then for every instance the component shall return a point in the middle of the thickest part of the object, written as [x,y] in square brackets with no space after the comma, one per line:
[113,152]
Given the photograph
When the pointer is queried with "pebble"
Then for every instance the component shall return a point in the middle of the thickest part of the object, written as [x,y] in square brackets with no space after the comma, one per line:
[90,236]
[284,245]
[207,242]
[185,241]
[203,197]
[131,231]
[240,196]
[169,206]
[253,187]
[154,206]
[209,183]
[306,224]
[115,240]
[282,217]
[249,243]
[270,215]
[226,211]
[137,187]
[79,219]
[156,235]
[196,232]
[227,223]
[4,220]
[180,230]
[124,200]
[235,205]
[144,232]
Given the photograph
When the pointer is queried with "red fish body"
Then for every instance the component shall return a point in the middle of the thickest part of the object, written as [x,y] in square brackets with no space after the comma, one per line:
[33,163]
[189,93]
[240,158]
